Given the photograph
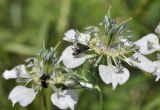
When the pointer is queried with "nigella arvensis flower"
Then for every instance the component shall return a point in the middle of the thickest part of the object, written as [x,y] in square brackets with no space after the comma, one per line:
[42,72]
[110,42]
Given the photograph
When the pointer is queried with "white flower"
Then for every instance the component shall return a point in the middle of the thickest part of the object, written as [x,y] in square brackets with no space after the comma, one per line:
[17,71]
[73,36]
[23,95]
[110,74]
[65,99]
[20,94]
[141,62]
[111,43]
[148,44]
[157,30]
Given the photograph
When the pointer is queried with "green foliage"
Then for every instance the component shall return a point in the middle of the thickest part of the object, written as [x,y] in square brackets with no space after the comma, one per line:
[25,24]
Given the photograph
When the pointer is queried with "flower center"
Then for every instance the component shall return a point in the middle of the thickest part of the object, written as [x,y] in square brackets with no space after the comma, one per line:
[109,52]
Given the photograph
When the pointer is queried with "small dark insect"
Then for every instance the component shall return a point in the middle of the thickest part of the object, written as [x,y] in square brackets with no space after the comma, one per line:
[44,79]
[79,49]
[62,86]
[76,51]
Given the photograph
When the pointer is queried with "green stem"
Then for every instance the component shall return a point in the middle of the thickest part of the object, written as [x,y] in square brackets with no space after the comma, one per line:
[48,99]
[101,98]
[44,100]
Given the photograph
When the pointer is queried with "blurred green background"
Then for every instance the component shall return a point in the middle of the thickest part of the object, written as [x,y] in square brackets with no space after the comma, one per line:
[25,24]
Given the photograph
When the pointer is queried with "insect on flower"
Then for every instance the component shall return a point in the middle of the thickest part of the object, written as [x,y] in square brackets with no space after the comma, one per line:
[110,41]
[44,79]
[79,49]
[42,72]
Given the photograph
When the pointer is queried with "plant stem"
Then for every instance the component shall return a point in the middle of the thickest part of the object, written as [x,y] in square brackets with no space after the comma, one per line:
[48,99]
[101,98]
[44,100]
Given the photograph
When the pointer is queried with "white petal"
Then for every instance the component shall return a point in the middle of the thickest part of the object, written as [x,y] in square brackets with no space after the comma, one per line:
[157,71]
[65,99]
[148,44]
[84,38]
[69,60]
[141,62]
[109,75]
[72,36]
[23,95]
[19,70]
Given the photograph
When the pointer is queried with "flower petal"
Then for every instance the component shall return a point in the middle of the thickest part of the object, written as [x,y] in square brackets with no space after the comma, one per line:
[65,99]
[148,44]
[72,36]
[109,75]
[84,38]
[23,95]
[141,62]
[69,60]
[19,70]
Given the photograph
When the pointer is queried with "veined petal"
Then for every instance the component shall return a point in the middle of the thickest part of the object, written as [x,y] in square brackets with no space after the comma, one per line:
[141,62]
[69,60]
[23,95]
[65,99]
[148,44]
[84,38]
[18,71]
[72,36]
[109,74]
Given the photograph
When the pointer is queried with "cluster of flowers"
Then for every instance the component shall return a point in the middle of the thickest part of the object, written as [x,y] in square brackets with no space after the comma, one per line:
[105,47]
